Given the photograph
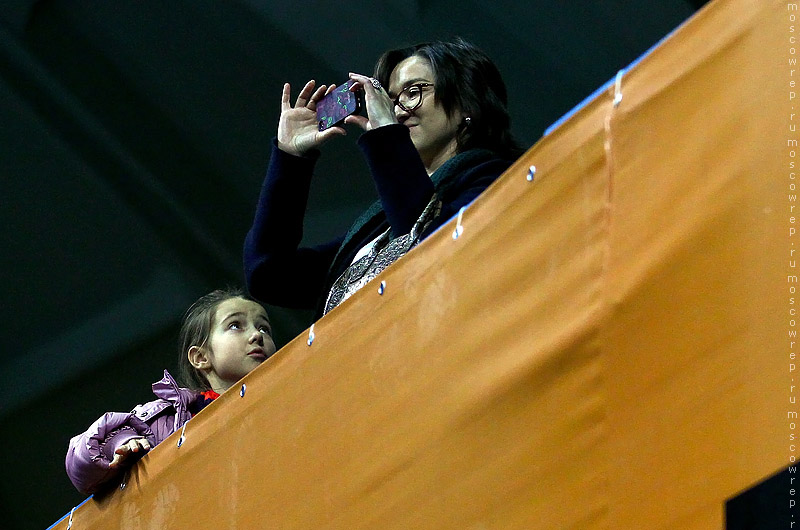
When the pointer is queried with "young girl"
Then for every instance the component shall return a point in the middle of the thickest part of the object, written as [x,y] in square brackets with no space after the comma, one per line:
[224,335]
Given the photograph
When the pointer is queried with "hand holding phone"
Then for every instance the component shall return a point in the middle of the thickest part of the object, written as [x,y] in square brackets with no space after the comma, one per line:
[377,104]
[337,105]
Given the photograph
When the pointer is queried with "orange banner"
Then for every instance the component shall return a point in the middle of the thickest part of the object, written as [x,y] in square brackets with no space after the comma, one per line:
[605,345]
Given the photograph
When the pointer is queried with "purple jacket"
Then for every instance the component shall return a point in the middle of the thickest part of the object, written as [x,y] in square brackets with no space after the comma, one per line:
[90,453]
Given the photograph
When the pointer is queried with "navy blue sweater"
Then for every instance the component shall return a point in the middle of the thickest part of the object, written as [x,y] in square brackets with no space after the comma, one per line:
[280,272]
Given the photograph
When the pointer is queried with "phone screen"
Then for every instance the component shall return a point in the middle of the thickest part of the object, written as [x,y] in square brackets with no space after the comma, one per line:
[337,105]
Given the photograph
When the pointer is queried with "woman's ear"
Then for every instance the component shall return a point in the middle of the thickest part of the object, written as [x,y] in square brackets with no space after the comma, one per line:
[198,357]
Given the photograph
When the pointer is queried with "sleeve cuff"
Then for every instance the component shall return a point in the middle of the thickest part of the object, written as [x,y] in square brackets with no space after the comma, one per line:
[115,439]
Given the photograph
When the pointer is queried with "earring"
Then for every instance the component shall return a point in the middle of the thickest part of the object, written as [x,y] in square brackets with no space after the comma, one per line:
[468,121]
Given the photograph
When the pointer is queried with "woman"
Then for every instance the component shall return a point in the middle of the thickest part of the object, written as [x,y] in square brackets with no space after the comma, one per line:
[437,133]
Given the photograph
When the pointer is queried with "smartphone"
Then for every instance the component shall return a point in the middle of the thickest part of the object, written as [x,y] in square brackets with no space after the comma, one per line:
[336,106]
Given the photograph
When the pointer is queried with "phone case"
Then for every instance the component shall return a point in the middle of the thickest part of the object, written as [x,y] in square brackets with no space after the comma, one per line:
[337,105]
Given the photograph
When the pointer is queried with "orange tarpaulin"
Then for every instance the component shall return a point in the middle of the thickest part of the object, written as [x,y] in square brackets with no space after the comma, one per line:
[605,346]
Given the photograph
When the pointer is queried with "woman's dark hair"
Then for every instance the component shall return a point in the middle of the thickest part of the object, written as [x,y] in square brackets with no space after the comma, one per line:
[466,80]
[196,330]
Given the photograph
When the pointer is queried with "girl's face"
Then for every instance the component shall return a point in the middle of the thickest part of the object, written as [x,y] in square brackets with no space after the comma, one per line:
[432,130]
[240,340]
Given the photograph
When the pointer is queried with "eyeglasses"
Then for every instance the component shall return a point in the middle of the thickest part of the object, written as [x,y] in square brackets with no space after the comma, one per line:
[411,96]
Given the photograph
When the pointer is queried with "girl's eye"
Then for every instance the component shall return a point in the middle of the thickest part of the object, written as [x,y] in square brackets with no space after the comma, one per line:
[265,330]
[234,325]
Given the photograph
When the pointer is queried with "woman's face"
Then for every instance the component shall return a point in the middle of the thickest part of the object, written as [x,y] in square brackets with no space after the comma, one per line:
[432,130]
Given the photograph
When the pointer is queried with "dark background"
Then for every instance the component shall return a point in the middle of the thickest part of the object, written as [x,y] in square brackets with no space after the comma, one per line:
[133,139]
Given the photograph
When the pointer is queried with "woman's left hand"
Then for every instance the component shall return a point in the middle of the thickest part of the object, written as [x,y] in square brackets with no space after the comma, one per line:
[380,109]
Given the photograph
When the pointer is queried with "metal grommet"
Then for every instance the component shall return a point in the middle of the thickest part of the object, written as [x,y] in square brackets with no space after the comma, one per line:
[459,228]
[618,88]
[382,288]
[122,485]
[531,173]
[242,390]
[183,437]
[310,335]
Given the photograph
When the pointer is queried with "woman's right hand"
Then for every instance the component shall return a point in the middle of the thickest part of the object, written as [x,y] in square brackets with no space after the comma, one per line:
[126,452]
[298,128]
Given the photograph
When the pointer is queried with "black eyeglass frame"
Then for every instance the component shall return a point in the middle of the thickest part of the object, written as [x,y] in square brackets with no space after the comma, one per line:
[420,86]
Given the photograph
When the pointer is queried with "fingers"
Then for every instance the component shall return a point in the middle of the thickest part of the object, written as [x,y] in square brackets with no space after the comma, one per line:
[368,84]
[305,94]
[318,94]
[134,445]
[125,451]
[380,108]
[361,82]
[327,134]
[116,461]
[308,97]
[287,90]
[361,121]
